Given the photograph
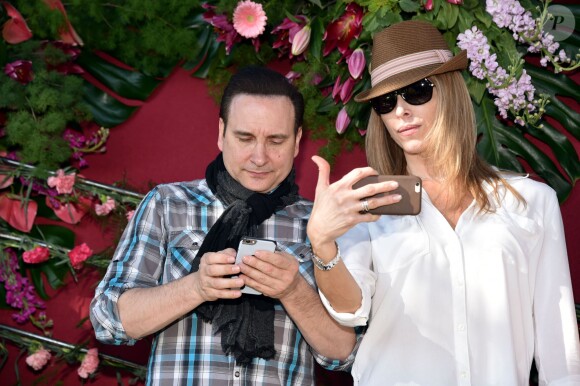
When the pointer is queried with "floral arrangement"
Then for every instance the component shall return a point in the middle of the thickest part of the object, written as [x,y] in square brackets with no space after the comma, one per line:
[73,71]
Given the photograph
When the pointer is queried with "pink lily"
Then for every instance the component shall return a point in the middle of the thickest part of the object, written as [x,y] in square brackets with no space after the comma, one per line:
[356,63]
[342,121]
[20,71]
[301,40]
[456,2]
[225,30]
[429,5]
[346,90]
[286,32]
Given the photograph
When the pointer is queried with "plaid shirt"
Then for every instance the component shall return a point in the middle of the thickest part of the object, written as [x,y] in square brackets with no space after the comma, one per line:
[157,247]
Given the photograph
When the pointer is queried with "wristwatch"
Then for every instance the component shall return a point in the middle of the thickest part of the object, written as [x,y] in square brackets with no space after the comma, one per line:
[318,263]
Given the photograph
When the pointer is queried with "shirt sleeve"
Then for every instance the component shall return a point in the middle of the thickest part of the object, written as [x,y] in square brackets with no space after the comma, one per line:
[335,364]
[356,253]
[137,263]
[557,348]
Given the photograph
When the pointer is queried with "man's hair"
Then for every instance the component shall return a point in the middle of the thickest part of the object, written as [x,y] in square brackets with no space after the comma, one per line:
[261,81]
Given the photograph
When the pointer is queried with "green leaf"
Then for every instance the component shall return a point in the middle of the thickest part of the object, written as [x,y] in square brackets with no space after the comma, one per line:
[552,84]
[327,105]
[54,235]
[317,2]
[561,146]
[409,6]
[206,37]
[501,145]
[54,272]
[209,55]
[107,111]
[316,33]
[125,83]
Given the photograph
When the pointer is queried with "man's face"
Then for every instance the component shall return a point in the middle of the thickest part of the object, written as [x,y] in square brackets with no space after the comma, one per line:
[259,144]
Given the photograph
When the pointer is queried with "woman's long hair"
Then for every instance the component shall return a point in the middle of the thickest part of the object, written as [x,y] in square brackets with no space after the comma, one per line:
[450,147]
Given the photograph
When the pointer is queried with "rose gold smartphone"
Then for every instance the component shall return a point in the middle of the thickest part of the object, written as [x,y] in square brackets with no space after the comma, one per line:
[410,188]
[247,247]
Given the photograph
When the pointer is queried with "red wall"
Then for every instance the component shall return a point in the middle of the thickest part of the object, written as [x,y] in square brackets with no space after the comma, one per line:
[172,138]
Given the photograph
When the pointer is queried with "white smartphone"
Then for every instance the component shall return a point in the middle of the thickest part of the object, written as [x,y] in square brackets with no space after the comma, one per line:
[247,247]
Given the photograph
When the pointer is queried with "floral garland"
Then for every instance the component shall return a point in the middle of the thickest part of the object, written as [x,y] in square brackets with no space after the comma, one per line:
[41,351]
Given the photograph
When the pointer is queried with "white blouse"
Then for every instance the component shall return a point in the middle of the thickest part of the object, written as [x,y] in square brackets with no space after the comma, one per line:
[470,306]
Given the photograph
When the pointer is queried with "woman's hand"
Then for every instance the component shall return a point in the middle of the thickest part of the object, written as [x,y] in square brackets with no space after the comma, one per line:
[338,207]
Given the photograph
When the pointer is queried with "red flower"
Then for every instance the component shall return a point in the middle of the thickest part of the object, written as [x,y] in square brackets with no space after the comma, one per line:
[79,254]
[429,5]
[20,71]
[70,212]
[15,30]
[224,29]
[36,255]
[67,33]
[340,32]
[18,214]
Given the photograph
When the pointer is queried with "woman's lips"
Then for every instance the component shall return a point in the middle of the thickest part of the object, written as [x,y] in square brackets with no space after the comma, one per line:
[408,130]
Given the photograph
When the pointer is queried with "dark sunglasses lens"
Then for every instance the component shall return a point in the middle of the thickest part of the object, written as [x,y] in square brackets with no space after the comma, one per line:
[384,104]
[419,92]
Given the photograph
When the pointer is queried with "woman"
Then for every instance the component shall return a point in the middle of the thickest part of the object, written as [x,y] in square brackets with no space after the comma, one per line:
[475,287]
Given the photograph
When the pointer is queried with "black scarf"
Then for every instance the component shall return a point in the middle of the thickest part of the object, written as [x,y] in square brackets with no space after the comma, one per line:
[247,323]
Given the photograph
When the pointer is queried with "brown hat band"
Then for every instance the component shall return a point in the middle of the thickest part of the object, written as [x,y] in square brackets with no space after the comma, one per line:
[408,62]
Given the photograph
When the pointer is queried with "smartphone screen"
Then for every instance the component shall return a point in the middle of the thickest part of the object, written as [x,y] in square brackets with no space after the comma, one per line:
[410,188]
[247,247]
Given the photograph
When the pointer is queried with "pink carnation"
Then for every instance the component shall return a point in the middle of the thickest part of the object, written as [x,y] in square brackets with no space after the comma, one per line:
[106,208]
[129,215]
[249,19]
[89,364]
[36,255]
[63,183]
[79,254]
[38,359]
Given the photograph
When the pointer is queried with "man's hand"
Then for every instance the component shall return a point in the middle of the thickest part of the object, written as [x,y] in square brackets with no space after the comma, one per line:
[211,281]
[275,274]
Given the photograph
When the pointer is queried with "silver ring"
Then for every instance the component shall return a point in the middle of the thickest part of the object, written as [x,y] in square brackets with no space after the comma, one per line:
[365,206]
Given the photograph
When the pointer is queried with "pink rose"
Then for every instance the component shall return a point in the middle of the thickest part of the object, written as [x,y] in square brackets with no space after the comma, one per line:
[63,183]
[106,208]
[79,254]
[36,255]
[89,364]
[38,359]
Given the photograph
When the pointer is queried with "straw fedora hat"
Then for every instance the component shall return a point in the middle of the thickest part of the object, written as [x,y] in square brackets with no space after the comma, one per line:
[405,53]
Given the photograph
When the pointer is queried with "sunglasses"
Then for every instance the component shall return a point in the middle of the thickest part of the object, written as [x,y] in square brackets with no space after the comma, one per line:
[415,94]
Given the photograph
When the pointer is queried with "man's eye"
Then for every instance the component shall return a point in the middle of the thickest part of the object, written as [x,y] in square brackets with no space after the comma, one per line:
[245,139]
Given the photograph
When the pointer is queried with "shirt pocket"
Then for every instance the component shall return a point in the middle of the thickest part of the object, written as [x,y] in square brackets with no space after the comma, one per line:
[183,247]
[397,242]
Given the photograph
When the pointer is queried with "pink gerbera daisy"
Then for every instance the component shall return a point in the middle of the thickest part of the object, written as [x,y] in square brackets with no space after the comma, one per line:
[249,19]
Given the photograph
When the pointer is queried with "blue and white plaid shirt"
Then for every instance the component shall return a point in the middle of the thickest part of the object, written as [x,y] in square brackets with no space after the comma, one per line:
[157,247]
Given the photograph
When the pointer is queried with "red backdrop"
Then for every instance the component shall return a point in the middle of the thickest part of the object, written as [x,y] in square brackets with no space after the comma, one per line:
[172,138]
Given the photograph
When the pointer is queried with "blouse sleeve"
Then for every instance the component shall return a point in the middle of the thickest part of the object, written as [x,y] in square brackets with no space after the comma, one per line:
[557,348]
[356,252]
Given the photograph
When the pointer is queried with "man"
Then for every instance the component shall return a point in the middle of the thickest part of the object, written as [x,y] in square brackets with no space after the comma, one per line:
[173,274]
